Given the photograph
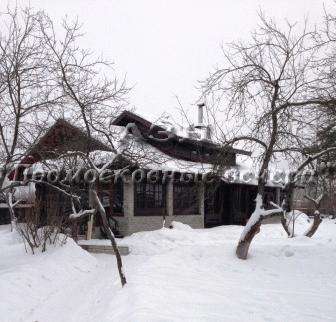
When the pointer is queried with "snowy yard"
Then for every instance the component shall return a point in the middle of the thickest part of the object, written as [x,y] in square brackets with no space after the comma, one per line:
[175,274]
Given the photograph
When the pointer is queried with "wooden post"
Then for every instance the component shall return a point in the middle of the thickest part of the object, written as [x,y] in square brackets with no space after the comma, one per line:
[90,221]
[89,228]
[278,196]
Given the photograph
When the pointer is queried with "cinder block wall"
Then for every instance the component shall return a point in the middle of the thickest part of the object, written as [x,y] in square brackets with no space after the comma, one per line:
[123,222]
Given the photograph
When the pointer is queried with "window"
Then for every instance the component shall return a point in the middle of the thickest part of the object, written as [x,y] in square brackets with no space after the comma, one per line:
[186,201]
[150,199]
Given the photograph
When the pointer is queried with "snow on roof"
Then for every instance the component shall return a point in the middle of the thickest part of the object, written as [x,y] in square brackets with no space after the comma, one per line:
[191,134]
[149,157]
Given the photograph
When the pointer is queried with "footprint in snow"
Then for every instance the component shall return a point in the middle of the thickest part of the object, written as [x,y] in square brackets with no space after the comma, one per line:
[289,253]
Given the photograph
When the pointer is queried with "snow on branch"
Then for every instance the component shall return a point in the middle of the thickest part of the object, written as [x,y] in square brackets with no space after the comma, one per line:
[82,214]
[258,215]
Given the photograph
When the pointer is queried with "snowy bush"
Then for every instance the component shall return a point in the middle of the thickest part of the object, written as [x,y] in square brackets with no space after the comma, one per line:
[39,237]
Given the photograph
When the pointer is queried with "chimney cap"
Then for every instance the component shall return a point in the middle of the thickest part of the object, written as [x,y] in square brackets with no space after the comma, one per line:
[200,123]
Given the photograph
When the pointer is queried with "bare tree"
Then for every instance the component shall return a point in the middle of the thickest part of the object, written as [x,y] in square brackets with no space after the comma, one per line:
[42,74]
[27,87]
[270,86]
[95,100]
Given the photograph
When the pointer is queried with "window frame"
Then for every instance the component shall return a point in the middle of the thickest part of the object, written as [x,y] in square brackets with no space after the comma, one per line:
[143,206]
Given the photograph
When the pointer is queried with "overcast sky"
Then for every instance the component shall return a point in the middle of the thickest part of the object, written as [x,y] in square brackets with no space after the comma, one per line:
[165,47]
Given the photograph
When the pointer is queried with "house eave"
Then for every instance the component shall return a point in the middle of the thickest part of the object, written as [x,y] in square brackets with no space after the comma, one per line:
[127,117]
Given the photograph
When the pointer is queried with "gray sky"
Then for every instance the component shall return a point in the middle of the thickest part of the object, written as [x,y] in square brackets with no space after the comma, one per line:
[166,46]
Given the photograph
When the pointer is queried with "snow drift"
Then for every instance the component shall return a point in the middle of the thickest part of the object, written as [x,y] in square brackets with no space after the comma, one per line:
[178,274]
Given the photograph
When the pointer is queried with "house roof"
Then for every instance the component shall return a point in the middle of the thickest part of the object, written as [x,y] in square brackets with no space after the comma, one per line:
[182,153]
[179,147]
[62,137]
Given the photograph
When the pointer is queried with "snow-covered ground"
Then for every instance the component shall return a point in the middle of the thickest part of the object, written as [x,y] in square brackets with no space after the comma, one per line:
[175,274]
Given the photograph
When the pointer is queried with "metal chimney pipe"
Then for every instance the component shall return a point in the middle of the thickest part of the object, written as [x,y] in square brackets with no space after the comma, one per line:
[208,133]
[200,113]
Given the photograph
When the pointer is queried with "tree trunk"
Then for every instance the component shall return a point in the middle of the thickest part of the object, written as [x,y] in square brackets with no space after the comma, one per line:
[316,223]
[100,209]
[253,226]
[287,203]
[244,244]
[284,225]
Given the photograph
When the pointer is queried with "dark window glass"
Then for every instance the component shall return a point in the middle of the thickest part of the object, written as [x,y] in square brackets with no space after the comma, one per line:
[209,199]
[186,201]
[150,199]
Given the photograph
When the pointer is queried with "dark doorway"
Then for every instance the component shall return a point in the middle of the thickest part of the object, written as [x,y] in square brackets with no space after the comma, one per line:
[228,204]
[223,205]
[217,206]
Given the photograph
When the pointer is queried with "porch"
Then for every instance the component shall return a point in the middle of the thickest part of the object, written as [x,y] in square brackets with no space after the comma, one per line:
[232,203]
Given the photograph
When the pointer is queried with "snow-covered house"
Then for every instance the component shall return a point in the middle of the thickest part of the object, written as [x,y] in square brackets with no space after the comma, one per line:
[137,205]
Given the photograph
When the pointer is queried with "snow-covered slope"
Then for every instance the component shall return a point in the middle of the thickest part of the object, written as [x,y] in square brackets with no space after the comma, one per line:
[176,274]
[41,287]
